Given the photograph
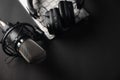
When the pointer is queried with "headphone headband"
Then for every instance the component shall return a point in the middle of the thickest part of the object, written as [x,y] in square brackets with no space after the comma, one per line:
[33,12]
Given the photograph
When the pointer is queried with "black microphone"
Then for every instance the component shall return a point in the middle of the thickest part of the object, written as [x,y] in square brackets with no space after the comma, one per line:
[18,41]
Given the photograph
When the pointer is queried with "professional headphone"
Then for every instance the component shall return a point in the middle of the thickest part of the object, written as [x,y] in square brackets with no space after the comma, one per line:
[58,19]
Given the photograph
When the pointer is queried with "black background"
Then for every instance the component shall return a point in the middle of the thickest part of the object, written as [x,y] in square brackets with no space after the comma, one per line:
[89,51]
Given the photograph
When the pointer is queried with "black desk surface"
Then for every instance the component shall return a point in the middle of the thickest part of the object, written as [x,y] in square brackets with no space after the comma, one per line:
[89,51]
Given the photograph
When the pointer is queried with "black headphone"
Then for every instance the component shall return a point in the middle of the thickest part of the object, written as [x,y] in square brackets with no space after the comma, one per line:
[58,19]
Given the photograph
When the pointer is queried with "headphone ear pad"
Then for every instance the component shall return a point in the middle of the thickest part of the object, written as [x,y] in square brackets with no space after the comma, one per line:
[66,12]
[49,19]
[54,21]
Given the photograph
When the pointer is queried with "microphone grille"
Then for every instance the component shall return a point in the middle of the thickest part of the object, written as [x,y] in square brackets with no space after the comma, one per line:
[31,51]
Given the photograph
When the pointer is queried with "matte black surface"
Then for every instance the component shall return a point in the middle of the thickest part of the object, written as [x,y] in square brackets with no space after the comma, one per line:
[90,51]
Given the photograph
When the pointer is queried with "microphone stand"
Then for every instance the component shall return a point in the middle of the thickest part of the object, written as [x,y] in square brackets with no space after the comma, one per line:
[19,41]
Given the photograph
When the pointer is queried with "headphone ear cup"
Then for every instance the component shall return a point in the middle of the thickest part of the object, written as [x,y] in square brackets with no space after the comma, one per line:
[66,12]
[54,21]
[57,20]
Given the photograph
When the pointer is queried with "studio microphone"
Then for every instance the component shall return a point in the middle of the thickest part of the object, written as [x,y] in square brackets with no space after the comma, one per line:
[18,40]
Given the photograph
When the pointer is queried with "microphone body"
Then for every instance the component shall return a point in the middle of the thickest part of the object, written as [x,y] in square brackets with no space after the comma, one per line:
[22,43]
[31,51]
